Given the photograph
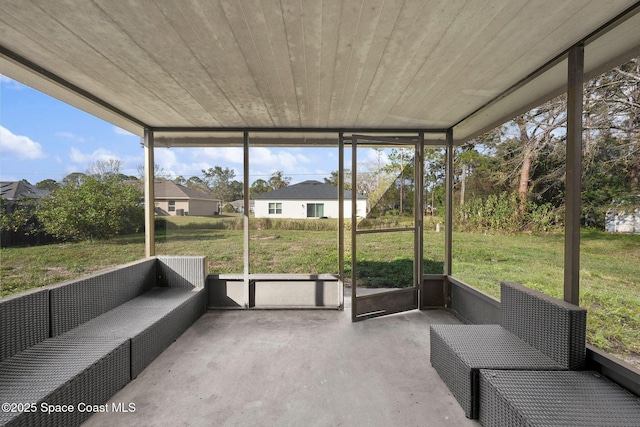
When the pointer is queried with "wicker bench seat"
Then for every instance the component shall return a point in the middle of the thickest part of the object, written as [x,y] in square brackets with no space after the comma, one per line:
[83,340]
[63,370]
[151,321]
[536,332]
[561,398]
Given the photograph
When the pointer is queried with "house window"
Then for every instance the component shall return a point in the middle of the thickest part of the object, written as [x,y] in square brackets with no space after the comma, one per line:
[315,210]
[172,205]
[275,208]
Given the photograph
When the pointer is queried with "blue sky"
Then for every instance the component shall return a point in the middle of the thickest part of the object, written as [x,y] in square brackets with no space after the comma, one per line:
[43,138]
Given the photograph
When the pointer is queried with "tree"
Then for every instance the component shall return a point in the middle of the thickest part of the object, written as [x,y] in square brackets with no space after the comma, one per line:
[401,166]
[197,183]
[17,216]
[159,174]
[222,184]
[278,180]
[104,169]
[625,106]
[467,158]
[92,209]
[536,131]
[47,184]
[74,178]
[260,186]
[333,179]
[434,176]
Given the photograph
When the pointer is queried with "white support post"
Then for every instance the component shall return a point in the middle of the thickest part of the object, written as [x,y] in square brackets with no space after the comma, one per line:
[149,194]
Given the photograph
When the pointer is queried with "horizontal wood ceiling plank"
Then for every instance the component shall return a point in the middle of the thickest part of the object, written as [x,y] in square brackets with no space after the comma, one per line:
[199,29]
[58,49]
[330,26]
[174,66]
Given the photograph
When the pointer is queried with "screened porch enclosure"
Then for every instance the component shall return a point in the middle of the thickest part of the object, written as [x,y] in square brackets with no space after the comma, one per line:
[347,75]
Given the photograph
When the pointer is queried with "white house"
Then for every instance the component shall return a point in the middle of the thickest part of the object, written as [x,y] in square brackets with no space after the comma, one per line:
[623,221]
[308,199]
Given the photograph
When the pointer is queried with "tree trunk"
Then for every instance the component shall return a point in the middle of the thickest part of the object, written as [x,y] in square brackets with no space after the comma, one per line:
[433,202]
[525,177]
[463,180]
[634,172]
[527,160]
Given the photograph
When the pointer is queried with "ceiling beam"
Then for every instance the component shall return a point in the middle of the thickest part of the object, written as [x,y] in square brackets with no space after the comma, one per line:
[52,78]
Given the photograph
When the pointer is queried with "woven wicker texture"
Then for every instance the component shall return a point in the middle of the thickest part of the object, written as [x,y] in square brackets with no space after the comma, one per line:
[133,317]
[459,351]
[150,343]
[63,370]
[181,271]
[84,299]
[556,328]
[107,328]
[561,398]
[24,321]
[152,321]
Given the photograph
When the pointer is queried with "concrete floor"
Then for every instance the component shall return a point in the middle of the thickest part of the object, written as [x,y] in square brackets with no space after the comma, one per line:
[293,368]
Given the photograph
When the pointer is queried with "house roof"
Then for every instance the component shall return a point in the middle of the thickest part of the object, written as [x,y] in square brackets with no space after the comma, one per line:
[171,190]
[16,190]
[306,190]
[239,204]
[205,71]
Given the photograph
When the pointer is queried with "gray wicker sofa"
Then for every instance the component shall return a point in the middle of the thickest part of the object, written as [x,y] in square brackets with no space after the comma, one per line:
[72,345]
[536,332]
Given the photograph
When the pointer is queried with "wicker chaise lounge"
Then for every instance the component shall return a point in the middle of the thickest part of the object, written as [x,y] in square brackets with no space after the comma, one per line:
[536,332]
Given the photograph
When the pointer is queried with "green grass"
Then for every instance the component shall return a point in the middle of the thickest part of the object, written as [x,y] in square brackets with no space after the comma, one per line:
[32,267]
[610,264]
[609,278]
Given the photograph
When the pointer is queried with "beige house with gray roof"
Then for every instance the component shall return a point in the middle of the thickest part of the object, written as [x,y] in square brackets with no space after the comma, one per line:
[174,199]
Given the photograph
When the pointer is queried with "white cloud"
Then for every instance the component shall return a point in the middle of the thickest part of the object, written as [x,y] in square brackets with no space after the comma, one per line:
[168,161]
[77,156]
[220,154]
[69,135]
[80,160]
[278,160]
[263,161]
[20,147]
[371,155]
[172,162]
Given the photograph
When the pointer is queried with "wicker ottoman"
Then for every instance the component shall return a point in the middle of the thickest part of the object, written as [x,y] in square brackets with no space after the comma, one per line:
[560,398]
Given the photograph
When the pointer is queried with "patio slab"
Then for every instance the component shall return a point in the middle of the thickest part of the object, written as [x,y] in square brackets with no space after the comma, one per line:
[286,368]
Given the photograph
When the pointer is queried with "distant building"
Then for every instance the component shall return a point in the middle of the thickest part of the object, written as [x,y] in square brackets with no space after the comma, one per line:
[177,200]
[623,221]
[12,191]
[308,199]
[238,205]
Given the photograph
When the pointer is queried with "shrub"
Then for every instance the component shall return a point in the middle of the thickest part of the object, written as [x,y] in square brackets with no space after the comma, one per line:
[92,209]
[228,208]
[501,213]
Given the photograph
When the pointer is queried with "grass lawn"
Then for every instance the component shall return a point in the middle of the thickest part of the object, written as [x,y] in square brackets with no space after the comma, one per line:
[610,264]
[609,278]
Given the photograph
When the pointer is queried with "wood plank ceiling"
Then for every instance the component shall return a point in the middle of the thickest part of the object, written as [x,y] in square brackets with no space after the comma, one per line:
[298,64]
